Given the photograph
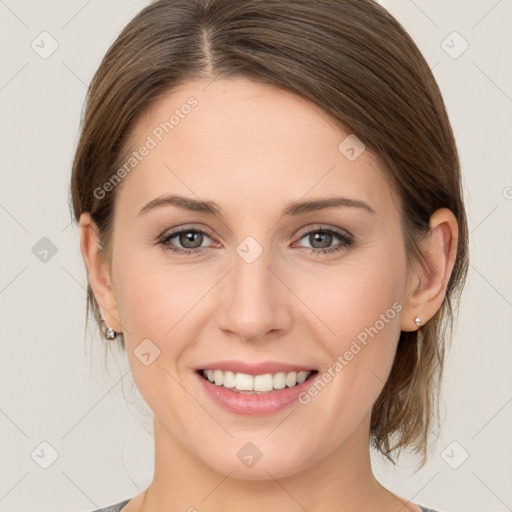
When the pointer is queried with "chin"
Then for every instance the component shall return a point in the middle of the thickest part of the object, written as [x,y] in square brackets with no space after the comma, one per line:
[250,463]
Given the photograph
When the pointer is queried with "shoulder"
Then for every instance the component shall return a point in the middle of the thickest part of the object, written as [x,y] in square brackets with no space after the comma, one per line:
[113,508]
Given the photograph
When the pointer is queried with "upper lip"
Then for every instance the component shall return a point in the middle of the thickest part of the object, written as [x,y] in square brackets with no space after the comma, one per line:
[255,368]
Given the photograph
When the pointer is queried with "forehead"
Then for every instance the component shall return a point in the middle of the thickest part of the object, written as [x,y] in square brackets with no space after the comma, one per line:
[240,142]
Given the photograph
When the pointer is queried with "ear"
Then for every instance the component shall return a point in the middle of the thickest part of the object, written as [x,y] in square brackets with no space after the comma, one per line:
[98,272]
[427,285]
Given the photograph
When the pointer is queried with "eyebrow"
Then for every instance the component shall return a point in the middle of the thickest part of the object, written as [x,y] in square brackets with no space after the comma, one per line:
[293,209]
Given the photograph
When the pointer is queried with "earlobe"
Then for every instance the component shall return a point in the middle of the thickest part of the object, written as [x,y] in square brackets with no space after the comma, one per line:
[427,292]
[98,272]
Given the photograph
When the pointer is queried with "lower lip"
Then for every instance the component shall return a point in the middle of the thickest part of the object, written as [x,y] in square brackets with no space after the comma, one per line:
[254,405]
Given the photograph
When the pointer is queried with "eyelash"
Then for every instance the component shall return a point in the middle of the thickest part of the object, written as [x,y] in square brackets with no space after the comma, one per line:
[347,241]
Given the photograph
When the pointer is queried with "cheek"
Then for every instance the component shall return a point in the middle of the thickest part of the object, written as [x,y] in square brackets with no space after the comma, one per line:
[359,305]
[152,295]
[361,308]
[156,303]
[351,297]
[155,300]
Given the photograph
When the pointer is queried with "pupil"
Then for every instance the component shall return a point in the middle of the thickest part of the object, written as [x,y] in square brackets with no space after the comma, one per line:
[322,237]
[189,236]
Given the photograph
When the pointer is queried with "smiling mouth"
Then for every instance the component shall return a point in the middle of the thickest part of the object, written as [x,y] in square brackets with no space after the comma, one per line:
[255,384]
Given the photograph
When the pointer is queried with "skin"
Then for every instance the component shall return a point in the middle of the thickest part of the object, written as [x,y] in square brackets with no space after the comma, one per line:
[253,149]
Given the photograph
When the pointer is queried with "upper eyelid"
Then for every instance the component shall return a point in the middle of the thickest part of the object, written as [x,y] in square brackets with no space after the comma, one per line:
[320,227]
[342,235]
[168,235]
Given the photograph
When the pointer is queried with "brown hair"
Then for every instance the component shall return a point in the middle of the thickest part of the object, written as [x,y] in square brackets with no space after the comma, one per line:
[355,61]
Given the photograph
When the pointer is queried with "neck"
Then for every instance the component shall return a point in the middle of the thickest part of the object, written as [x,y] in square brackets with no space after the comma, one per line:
[342,482]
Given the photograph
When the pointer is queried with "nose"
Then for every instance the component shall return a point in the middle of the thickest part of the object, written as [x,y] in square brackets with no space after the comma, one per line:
[254,302]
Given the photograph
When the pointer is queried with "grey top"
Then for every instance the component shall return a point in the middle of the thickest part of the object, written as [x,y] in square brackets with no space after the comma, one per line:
[117,507]
[113,508]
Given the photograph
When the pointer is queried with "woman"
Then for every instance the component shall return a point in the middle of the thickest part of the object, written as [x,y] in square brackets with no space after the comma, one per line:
[271,216]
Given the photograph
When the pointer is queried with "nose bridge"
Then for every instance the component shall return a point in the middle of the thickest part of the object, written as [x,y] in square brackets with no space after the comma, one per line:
[251,271]
[255,299]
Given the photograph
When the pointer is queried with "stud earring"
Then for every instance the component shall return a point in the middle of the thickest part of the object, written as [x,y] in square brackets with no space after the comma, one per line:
[417,320]
[110,334]
[107,331]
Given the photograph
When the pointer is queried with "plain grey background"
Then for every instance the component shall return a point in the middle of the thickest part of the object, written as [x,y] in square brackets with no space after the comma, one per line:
[74,438]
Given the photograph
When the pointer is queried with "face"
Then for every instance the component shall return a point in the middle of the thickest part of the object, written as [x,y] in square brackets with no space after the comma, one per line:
[318,288]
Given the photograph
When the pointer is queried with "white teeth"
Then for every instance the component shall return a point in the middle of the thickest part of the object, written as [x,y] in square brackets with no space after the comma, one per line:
[301,377]
[244,382]
[291,379]
[264,382]
[229,380]
[218,377]
[280,380]
[258,383]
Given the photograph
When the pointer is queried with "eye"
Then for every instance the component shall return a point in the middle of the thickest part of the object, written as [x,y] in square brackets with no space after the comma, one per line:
[191,239]
[321,240]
